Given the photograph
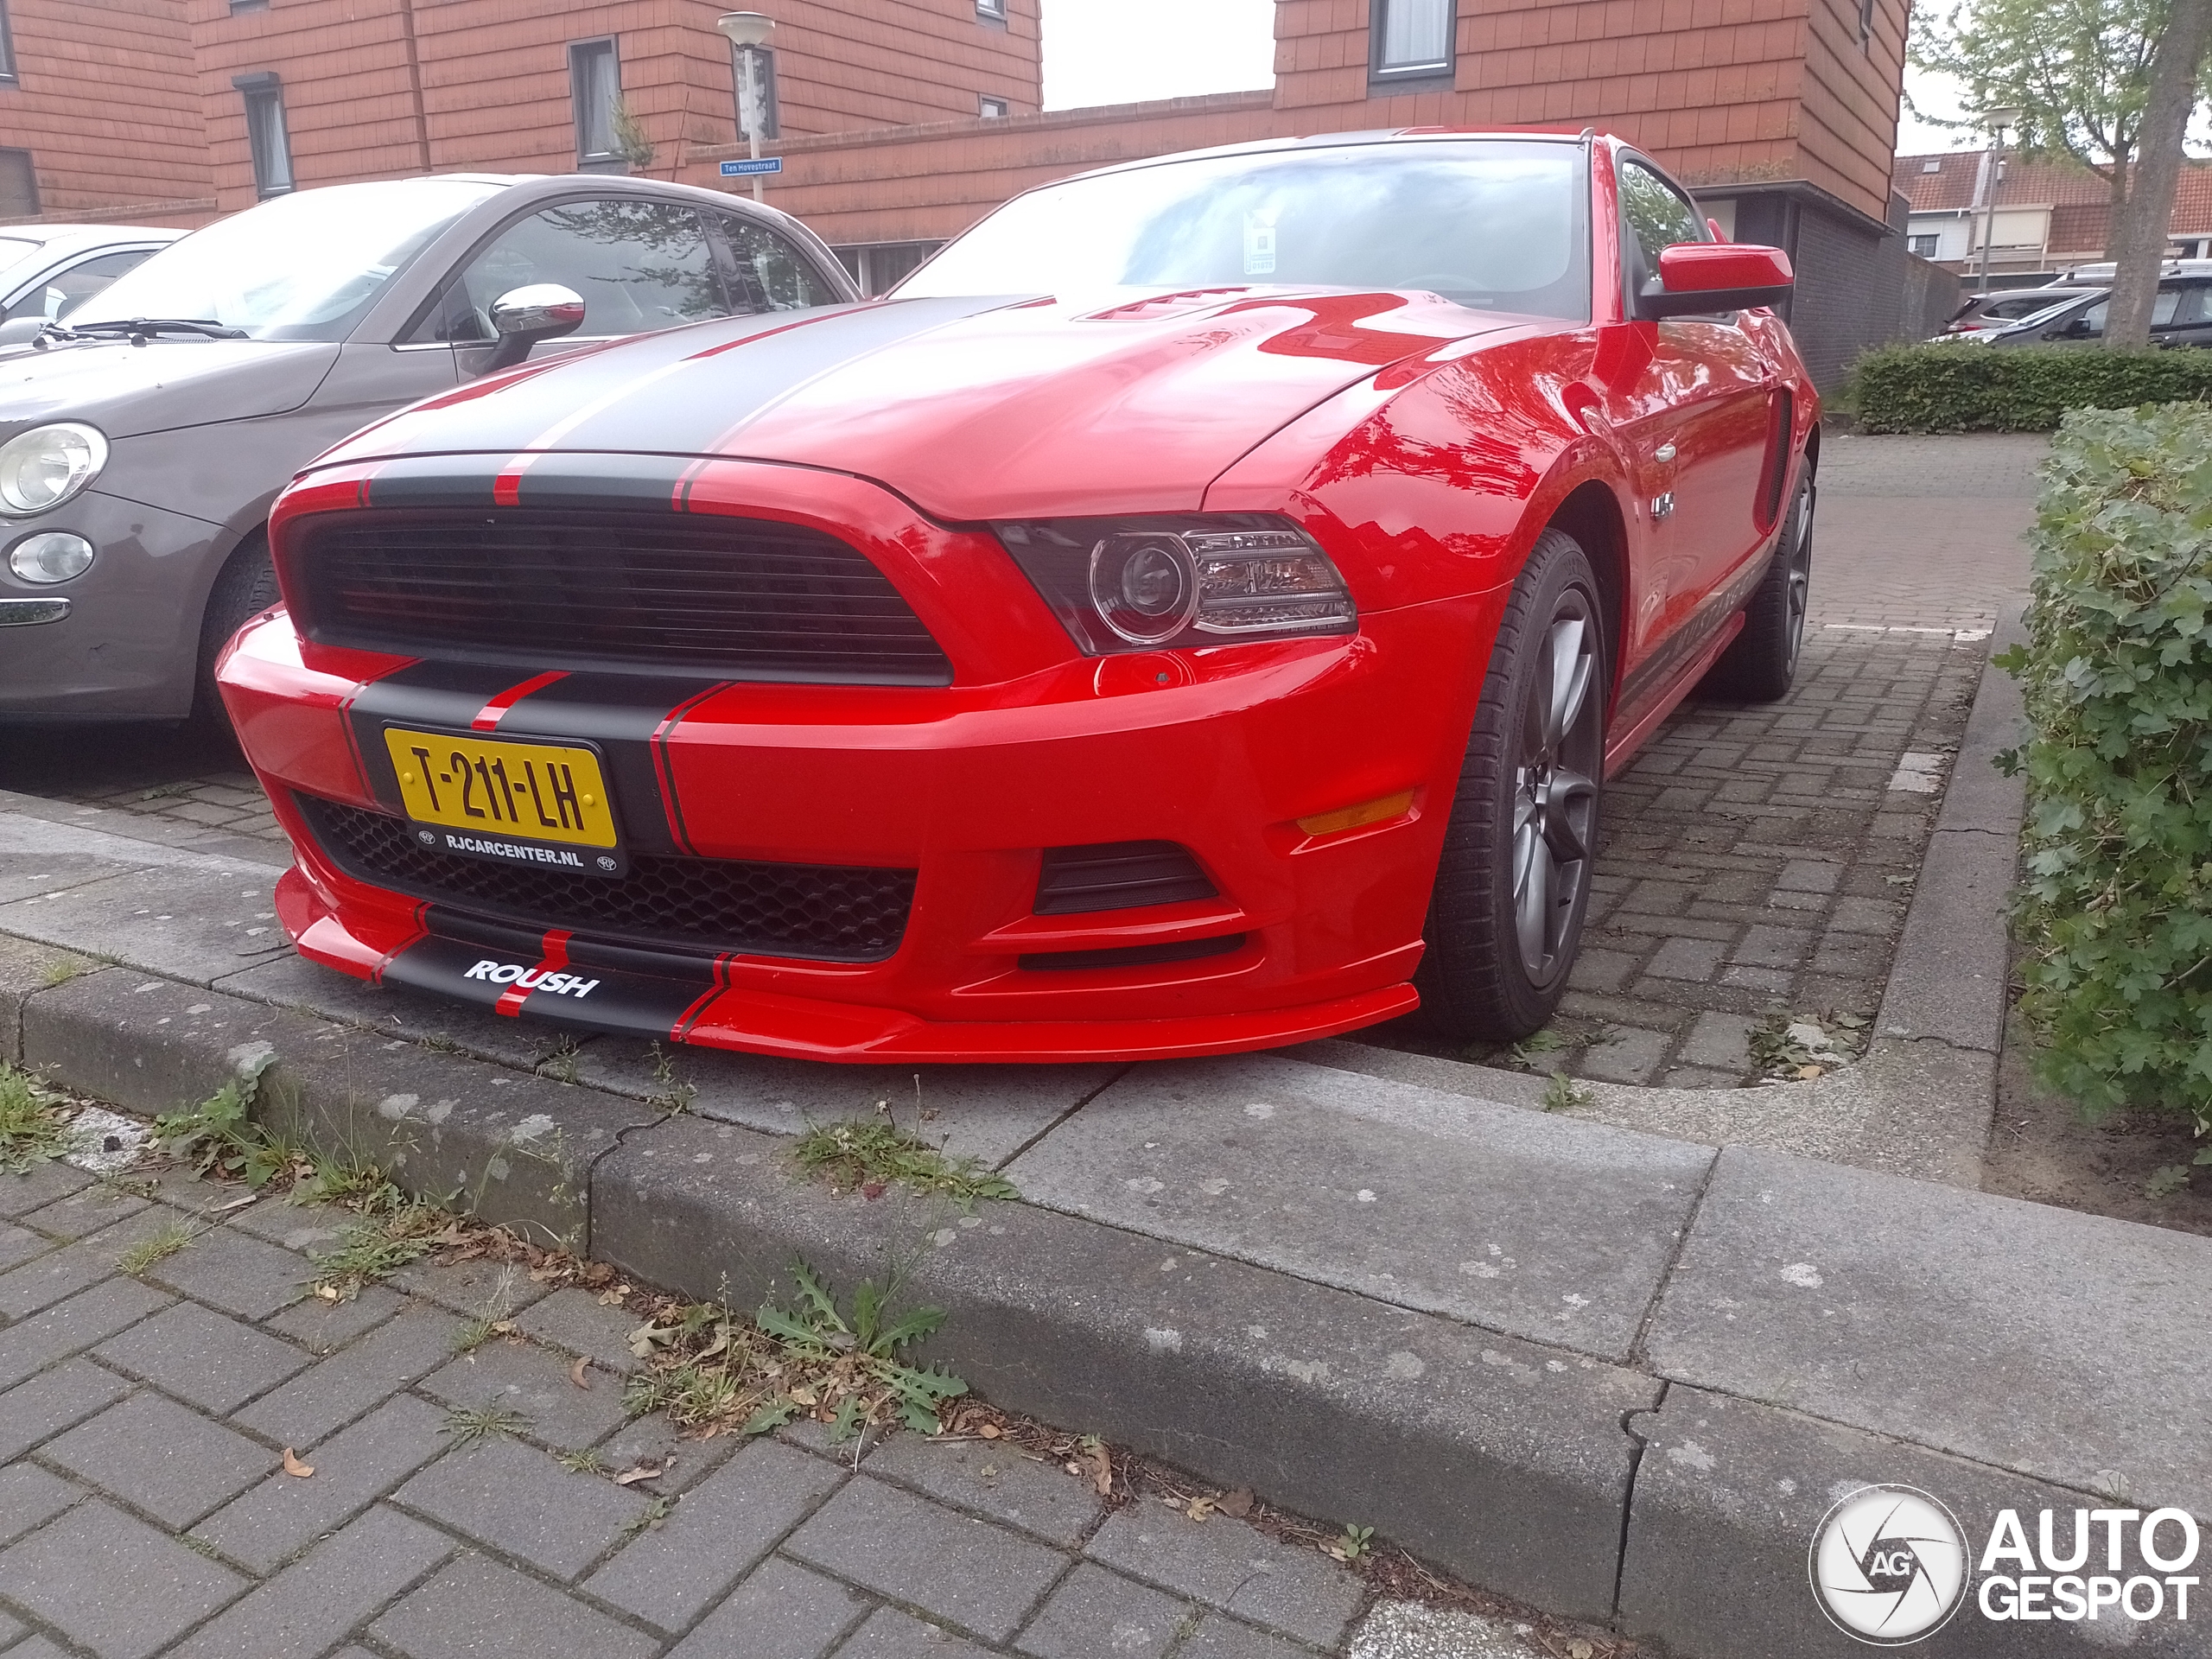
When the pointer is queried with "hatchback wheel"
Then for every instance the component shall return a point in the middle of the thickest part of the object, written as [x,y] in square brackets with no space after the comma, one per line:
[1761,662]
[1505,917]
[246,588]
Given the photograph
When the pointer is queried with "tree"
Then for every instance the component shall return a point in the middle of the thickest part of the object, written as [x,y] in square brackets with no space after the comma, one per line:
[2139,247]
[2078,70]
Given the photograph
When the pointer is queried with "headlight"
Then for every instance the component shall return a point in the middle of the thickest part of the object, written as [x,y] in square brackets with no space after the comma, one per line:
[1140,584]
[41,468]
[50,556]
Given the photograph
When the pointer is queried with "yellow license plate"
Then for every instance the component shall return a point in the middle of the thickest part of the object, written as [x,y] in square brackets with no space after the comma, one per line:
[540,791]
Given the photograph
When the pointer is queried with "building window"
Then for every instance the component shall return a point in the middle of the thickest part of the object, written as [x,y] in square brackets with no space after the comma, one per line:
[991,109]
[758,63]
[1923,246]
[265,132]
[238,6]
[7,49]
[1865,24]
[18,185]
[875,267]
[994,10]
[1412,37]
[595,92]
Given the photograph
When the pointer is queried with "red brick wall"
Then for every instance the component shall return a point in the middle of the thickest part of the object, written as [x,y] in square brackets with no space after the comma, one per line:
[493,77]
[107,103]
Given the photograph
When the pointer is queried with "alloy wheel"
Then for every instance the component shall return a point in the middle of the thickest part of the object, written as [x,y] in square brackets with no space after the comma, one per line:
[1555,789]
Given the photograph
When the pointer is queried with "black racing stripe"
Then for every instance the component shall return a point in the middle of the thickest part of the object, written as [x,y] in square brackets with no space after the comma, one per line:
[620,712]
[561,478]
[486,934]
[437,481]
[443,696]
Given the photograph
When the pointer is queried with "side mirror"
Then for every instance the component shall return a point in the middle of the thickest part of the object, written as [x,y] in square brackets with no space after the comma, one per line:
[524,316]
[19,330]
[1695,278]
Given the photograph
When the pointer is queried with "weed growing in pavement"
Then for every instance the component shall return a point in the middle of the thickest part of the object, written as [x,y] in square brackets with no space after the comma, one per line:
[867,1157]
[466,1424]
[32,1126]
[645,1519]
[1562,1093]
[1795,1047]
[1356,1542]
[219,1136]
[561,1063]
[377,1246]
[1526,1052]
[62,971]
[674,1094]
[159,1245]
[712,1372]
[584,1460]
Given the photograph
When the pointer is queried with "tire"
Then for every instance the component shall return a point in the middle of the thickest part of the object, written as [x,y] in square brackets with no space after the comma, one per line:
[1761,663]
[1499,947]
[246,588]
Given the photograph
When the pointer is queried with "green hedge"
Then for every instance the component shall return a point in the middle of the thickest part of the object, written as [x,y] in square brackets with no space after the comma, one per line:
[1960,387]
[2115,907]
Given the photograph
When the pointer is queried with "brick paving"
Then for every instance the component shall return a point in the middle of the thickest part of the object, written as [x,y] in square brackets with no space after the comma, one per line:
[143,1510]
[1752,861]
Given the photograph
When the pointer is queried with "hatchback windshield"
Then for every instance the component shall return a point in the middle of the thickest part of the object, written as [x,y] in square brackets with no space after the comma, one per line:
[300,267]
[1496,224]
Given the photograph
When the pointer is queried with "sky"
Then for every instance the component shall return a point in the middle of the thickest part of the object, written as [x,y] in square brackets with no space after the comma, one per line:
[1122,51]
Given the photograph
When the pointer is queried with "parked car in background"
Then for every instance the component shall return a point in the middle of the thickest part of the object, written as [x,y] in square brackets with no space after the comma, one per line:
[1196,610]
[48,271]
[1987,313]
[142,439]
[2180,315]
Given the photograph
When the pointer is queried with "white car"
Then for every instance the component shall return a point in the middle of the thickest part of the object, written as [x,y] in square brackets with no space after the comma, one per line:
[46,270]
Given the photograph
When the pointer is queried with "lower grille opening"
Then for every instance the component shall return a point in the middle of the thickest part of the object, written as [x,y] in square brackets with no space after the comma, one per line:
[824,912]
[1133,956]
[1118,875]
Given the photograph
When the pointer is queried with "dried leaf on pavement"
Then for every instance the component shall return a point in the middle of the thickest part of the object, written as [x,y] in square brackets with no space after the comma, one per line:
[579,1373]
[293,1467]
[637,1472]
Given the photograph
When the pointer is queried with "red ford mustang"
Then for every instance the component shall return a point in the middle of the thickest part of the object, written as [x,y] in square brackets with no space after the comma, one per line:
[1216,635]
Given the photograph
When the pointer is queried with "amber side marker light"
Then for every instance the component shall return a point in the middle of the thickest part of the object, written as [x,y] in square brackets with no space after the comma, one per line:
[1351,817]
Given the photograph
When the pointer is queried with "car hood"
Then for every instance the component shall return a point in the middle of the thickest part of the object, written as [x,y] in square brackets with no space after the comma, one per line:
[128,391]
[971,408]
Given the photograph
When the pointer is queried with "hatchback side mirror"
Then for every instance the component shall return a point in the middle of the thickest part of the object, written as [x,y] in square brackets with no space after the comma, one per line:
[1696,278]
[524,316]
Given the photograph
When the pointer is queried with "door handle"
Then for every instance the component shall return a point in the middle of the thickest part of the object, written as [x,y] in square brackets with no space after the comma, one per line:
[1664,452]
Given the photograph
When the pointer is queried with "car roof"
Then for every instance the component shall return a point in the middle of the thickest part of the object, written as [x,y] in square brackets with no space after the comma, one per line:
[54,236]
[1345,140]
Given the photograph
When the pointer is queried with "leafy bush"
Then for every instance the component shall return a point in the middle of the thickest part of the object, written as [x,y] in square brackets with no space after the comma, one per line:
[2115,909]
[1961,387]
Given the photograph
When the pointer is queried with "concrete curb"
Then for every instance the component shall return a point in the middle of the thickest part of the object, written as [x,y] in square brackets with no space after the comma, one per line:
[1918,1102]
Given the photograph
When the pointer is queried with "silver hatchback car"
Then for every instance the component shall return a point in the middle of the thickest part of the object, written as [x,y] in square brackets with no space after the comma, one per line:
[142,439]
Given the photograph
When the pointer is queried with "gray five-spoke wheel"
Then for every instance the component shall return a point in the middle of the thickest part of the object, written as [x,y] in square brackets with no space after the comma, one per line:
[1799,577]
[1556,790]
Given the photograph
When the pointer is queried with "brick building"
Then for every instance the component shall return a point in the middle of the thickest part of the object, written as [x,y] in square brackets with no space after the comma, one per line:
[2045,217]
[100,113]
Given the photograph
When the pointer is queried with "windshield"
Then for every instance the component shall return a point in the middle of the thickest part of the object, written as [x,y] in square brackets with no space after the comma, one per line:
[298,267]
[1488,223]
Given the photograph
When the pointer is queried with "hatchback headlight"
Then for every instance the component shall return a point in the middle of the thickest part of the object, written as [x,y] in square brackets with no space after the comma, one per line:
[41,468]
[1143,584]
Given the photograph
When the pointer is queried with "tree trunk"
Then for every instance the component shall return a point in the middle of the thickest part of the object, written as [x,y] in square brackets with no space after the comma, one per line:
[2140,247]
[2116,205]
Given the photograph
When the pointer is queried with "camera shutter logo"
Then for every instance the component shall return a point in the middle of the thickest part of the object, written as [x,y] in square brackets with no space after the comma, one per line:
[1889,1565]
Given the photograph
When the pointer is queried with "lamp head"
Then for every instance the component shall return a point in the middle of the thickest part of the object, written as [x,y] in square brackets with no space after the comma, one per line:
[747,27]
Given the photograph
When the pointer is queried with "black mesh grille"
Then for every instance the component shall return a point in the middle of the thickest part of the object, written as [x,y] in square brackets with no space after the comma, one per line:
[1118,875]
[816,910]
[729,598]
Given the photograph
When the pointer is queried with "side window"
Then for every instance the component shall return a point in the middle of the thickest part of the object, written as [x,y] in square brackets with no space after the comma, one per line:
[2090,325]
[60,293]
[639,265]
[1655,216]
[771,274]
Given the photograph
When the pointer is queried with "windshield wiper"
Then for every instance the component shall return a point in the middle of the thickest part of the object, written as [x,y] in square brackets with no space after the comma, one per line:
[143,327]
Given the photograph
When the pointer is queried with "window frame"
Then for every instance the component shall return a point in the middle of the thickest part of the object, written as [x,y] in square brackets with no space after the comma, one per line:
[985,111]
[10,73]
[1934,240]
[771,116]
[1379,70]
[991,11]
[30,172]
[262,93]
[579,52]
[1625,233]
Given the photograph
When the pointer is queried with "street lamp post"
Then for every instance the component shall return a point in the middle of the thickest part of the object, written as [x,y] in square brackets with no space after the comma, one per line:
[1996,121]
[749,31]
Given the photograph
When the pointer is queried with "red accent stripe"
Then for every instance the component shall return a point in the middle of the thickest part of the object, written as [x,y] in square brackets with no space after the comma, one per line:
[345,723]
[420,920]
[690,1017]
[664,775]
[488,717]
[556,958]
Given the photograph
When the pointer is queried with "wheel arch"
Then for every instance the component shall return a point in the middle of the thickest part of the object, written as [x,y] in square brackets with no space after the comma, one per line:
[1592,514]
